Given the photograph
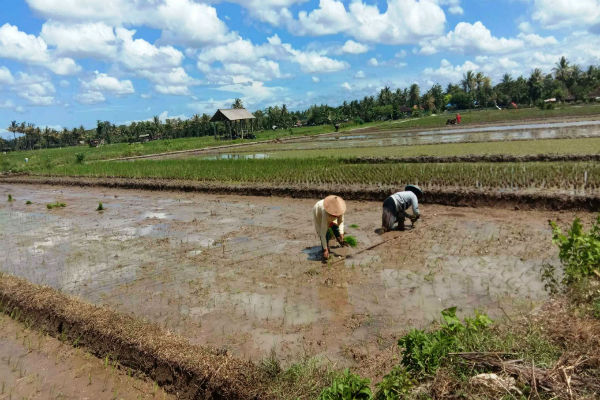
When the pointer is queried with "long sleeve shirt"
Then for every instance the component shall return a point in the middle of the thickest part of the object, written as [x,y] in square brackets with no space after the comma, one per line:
[406,199]
[323,221]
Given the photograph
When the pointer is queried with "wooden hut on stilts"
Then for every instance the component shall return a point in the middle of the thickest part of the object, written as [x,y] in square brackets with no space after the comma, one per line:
[239,122]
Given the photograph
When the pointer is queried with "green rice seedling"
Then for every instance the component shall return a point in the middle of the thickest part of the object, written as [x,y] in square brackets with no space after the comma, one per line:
[10,198]
[57,204]
[28,202]
[100,207]
[350,240]
[354,226]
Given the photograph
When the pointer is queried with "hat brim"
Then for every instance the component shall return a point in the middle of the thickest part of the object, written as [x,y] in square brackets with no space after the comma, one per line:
[334,205]
[415,189]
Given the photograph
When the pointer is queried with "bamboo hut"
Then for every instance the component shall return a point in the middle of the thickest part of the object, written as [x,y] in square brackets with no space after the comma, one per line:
[238,122]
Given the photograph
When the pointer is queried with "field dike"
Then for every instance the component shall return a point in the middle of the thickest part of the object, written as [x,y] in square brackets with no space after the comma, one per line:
[455,197]
[188,371]
[475,158]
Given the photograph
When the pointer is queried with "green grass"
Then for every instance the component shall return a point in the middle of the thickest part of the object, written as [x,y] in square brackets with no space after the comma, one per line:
[521,147]
[538,175]
[57,204]
[46,159]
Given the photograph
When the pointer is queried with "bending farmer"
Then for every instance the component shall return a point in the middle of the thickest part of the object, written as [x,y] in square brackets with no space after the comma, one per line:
[328,215]
[395,206]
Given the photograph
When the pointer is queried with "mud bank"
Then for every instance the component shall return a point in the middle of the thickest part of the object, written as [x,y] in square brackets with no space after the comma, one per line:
[455,197]
[475,158]
[190,372]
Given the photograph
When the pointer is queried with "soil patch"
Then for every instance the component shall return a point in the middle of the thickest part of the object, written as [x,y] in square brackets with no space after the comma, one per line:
[191,372]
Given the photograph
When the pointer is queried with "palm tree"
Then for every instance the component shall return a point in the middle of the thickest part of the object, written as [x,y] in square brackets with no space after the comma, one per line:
[535,84]
[468,82]
[562,70]
[237,103]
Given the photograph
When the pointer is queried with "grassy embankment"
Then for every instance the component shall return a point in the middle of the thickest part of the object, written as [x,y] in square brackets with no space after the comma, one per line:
[538,175]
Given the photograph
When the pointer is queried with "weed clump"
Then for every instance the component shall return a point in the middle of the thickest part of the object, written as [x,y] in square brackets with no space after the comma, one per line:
[347,386]
[10,198]
[425,351]
[579,251]
[395,385]
[51,206]
[28,202]
[79,158]
[350,240]
[100,207]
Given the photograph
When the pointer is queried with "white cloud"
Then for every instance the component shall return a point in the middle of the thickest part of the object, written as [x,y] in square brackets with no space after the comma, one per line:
[138,53]
[81,40]
[400,54]
[359,75]
[244,61]
[471,38]
[404,21]
[453,6]
[92,97]
[535,40]
[6,77]
[346,86]
[352,47]
[190,23]
[37,89]
[30,49]
[448,72]
[105,83]
[373,62]
[316,79]
[275,12]
[181,21]
[554,14]
[525,27]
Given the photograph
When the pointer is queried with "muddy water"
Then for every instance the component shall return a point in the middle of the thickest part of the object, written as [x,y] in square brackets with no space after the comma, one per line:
[575,129]
[240,272]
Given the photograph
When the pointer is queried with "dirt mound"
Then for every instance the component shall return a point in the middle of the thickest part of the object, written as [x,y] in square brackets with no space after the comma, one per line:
[191,372]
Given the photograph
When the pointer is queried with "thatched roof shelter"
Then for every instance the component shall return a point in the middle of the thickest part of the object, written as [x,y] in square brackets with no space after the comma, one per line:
[231,114]
[238,122]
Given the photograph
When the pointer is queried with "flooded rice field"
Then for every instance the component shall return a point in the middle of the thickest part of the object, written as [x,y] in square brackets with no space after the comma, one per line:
[377,138]
[242,273]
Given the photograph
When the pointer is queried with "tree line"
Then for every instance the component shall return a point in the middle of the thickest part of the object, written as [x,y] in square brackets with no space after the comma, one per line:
[566,82]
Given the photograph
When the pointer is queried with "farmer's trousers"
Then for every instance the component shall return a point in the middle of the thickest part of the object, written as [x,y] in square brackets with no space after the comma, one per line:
[392,214]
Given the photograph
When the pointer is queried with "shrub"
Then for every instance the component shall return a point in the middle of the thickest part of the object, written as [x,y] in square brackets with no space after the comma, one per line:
[347,386]
[424,351]
[395,385]
[579,251]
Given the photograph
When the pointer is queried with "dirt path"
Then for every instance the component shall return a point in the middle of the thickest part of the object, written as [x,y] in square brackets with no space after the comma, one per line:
[239,272]
[36,366]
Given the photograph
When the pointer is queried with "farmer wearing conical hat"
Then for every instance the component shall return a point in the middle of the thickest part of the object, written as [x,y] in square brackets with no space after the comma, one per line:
[395,206]
[328,215]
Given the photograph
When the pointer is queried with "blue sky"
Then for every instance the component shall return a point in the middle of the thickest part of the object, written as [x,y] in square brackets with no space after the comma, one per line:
[66,63]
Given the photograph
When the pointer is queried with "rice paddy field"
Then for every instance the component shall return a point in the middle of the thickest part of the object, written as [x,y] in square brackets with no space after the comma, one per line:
[243,274]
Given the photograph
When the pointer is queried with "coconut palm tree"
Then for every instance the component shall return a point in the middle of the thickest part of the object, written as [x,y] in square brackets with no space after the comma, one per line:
[562,70]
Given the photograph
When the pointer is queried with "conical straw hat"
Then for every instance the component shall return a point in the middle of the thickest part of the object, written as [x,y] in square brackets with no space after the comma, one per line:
[334,205]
